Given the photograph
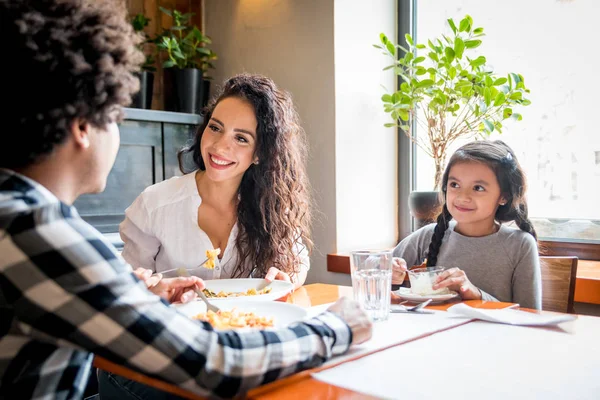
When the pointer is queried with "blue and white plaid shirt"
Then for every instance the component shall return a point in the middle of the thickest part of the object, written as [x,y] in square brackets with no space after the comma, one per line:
[65,294]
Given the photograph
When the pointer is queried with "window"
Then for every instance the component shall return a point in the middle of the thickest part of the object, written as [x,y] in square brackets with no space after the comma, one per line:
[557,142]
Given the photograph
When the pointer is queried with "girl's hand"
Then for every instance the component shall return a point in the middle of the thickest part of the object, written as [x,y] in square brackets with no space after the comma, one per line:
[456,279]
[277,275]
[398,270]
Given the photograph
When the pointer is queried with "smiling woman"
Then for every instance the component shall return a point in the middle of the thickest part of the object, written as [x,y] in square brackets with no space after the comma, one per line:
[247,193]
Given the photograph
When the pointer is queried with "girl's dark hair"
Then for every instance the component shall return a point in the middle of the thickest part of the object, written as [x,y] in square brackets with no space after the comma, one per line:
[513,186]
[65,60]
[274,210]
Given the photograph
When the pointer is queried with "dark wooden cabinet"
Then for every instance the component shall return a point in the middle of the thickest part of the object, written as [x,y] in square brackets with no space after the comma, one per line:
[147,155]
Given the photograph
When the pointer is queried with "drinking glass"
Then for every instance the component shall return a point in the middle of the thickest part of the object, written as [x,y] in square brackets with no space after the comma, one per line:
[372,281]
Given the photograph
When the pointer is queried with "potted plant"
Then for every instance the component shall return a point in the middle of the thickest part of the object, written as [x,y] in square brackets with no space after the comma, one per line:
[184,47]
[447,94]
[207,64]
[143,98]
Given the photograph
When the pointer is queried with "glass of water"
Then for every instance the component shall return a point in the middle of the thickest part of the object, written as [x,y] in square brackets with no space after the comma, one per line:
[372,281]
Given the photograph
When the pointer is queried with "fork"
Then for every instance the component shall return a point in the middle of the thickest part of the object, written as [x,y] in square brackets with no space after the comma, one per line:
[416,309]
[210,306]
[176,269]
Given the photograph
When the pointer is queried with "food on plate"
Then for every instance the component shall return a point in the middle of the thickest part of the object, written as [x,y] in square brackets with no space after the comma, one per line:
[422,280]
[212,256]
[234,319]
[249,292]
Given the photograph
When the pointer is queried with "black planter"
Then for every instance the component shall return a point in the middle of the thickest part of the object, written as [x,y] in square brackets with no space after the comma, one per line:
[143,98]
[424,207]
[205,92]
[183,90]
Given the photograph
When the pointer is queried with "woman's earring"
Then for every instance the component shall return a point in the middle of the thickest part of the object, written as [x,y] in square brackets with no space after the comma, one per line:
[256,162]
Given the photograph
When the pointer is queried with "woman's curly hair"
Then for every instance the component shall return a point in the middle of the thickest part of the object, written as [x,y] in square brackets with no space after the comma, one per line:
[64,60]
[274,210]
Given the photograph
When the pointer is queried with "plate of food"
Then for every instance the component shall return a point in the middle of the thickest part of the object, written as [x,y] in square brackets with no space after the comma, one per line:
[240,314]
[250,289]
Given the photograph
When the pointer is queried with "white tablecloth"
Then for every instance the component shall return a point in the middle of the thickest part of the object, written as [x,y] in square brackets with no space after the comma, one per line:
[399,328]
[483,360]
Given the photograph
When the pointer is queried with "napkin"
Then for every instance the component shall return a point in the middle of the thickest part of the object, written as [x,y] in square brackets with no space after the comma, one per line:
[510,316]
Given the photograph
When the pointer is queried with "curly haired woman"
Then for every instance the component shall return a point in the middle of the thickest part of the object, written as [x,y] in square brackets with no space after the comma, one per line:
[247,193]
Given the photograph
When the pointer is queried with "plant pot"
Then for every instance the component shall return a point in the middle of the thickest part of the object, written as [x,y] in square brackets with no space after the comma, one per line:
[143,98]
[205,92]
[424,207]
[183,90]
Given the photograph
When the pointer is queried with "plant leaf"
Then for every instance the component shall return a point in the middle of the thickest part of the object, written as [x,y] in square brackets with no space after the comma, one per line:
[487,96]
[409,39]
[452,25]
[500,99]
[449,54]
[459,48]
[471,44]
[500,81]
[488,126]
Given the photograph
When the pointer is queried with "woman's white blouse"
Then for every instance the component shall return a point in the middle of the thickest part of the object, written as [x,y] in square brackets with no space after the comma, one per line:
[161,232]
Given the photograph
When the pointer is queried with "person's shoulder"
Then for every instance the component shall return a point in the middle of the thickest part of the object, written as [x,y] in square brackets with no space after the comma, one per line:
[516,237]
[50,229]
[169,191]
[423,233]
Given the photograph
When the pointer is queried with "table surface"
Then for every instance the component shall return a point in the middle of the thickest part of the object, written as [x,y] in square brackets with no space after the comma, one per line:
[300,385]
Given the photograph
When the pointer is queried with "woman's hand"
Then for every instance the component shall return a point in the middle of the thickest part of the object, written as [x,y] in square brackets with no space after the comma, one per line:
[174,290]
[398,270]
[275,274]
[456,279]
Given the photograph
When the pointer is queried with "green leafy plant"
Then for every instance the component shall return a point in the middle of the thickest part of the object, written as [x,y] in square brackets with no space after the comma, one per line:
[448,93]
[184,44]
[139,22]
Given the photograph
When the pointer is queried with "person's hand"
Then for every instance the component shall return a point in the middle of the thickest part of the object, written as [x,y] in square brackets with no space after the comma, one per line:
[178,290]
[456,279]
[174,290]
[358,321]
[398,270]
[275,274]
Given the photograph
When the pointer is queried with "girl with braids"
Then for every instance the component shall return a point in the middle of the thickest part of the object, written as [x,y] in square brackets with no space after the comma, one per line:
[247,193]
[483,187]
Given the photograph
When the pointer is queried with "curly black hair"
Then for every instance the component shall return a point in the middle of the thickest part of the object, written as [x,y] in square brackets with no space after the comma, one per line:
[63,60]
[274,211]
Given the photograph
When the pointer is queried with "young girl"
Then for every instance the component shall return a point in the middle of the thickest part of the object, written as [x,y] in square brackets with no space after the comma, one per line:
[247,193]
[483,187]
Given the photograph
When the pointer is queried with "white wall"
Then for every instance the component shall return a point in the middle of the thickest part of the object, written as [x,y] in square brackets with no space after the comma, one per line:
[366,152]
[292,41]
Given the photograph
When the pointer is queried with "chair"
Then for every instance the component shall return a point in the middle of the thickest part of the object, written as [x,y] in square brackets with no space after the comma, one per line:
[558,283]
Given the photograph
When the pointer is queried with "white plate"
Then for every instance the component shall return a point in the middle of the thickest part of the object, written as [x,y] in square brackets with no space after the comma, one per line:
[406,294]
[283,314]
[280,288]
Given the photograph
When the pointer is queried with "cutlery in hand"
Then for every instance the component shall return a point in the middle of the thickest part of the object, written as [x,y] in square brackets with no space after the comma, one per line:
[184,273]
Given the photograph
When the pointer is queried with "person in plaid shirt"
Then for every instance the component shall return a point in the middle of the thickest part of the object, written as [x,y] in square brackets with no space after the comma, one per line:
[65,293]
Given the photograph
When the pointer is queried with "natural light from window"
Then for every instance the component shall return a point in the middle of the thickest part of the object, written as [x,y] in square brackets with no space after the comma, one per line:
[557,142]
